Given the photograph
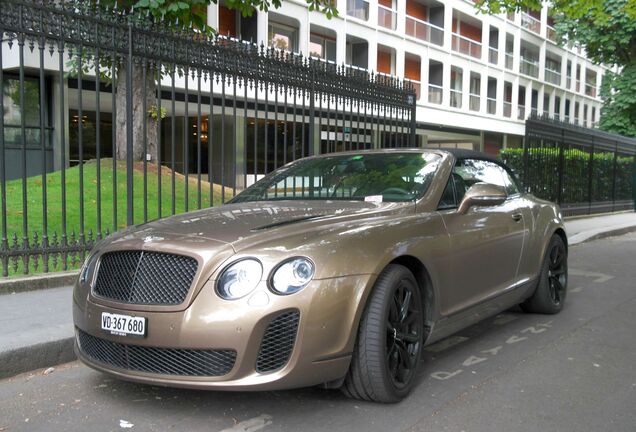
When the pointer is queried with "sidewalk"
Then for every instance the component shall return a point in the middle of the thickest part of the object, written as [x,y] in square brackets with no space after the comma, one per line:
[37,326]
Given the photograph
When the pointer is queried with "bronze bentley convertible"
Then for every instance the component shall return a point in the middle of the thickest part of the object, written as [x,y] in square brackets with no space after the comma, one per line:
[332,270]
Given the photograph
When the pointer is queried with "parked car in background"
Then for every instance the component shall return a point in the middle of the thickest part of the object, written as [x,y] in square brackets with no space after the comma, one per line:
[336,270]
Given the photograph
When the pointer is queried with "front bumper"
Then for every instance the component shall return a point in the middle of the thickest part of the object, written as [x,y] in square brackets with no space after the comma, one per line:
[328,311]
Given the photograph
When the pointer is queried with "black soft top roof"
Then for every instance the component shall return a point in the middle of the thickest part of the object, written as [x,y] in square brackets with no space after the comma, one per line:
[471,154]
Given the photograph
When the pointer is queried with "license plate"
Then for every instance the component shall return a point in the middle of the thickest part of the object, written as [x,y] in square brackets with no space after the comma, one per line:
[123,325]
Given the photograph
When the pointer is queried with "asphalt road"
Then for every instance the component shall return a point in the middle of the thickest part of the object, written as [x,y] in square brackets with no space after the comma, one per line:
[575,371]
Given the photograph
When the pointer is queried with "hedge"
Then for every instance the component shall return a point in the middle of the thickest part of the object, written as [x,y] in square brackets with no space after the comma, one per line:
[543,165]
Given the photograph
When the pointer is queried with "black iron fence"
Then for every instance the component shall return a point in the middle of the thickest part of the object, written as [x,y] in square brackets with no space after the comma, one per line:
[109,119]
[584,170]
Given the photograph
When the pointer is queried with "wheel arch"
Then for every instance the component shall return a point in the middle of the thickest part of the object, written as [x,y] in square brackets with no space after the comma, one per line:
[424,283]
[561,233]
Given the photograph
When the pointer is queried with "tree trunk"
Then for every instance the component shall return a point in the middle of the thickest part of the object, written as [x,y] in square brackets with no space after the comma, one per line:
[139,89]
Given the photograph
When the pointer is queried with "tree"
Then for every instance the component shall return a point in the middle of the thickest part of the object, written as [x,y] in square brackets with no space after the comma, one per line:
[607,31]
[173,14]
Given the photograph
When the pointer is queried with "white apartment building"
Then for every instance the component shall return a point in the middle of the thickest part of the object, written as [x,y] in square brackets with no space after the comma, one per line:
[477,77]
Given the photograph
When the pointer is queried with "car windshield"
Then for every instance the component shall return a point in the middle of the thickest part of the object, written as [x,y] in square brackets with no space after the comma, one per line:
[362,177]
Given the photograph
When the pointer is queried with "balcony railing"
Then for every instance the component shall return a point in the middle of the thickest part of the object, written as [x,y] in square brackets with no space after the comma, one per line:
[493,55]
[529,67]
[551,34]
[491,105]
[387,17]
[435,94]
[531,23]
[507,109]
[521,112]
[474,102]
[424,31]
[417,86]
[552,76]
[590,90]
[358,9]
[455,98]
[466,46]
[510,61]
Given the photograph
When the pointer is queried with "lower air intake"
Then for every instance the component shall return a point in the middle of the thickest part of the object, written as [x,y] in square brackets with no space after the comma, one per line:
[278,342]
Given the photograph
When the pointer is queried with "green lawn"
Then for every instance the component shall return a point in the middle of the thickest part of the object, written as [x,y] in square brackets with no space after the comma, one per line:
[73,198]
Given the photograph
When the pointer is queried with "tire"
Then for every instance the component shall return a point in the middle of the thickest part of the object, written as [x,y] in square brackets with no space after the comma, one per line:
[389,341]
[551,290]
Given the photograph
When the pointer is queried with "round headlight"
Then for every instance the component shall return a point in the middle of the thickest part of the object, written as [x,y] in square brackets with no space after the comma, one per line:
[292,276]
[239,279]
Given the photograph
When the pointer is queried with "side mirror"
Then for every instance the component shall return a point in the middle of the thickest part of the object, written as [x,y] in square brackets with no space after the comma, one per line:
[482,194]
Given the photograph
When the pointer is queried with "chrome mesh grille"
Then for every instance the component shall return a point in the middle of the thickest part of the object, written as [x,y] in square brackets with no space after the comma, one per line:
[149,278]
[166,361]
[278,342]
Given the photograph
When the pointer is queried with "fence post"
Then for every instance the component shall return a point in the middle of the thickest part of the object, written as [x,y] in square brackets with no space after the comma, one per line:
[312,108]
[614,176]
[590,175]
[561,164]
[129,131]
[634,180]
[525,142]
[411,99]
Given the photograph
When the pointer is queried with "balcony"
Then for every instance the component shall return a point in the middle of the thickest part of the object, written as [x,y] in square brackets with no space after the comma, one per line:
[455,98]
[417,86]
[425,31]
[521,112]
[530,23]
[435,94]
[474,102]
[529,67]
[551,34]
[387,17]
[358,9]
[493,55]
[507,109]
[553,76]
[466,46]
[491,106]
[509,61]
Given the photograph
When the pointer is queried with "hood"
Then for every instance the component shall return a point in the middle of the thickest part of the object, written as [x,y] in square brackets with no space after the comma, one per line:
[234,222]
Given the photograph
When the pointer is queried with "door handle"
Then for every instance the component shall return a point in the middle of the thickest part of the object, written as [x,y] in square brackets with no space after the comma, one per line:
[517,217]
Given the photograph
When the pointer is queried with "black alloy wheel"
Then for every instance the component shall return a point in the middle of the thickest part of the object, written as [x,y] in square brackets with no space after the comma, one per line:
[404,327]
[390,337]
[550,292]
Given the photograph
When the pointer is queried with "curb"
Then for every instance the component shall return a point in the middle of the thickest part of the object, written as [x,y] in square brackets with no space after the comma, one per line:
[581,237]
[29,358]
[38,282]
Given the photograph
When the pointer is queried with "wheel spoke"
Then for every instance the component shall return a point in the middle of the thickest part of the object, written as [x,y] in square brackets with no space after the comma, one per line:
[410,338]
[405,305]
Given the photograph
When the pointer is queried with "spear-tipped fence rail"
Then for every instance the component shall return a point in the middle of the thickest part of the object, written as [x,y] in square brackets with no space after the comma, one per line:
[110,118]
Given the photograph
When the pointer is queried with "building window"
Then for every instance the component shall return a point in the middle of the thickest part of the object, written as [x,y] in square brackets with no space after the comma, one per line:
[456,87]
[358,9]
[283,37]
[576,112]
[322,47]
[557,108]
[475,91]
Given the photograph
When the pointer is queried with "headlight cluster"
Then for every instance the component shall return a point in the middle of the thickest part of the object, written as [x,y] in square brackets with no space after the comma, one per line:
[241,278]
